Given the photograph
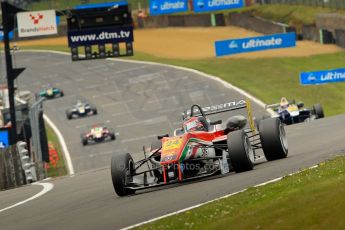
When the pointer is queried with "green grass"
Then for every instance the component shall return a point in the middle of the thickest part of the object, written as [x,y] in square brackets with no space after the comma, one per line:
[312,199]
[60,170]
[267,79]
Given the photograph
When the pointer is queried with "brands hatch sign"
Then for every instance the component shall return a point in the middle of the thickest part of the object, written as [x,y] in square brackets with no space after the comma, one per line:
[274,41]
[37,23]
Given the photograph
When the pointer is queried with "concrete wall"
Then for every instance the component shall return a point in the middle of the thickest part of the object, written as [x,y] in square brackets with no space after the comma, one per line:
[311,33]
[340,37]
[330,21]
[247,21]
[191,20]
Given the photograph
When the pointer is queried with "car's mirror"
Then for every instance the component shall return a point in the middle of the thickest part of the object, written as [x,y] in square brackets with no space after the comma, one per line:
[216,122]
[300,104]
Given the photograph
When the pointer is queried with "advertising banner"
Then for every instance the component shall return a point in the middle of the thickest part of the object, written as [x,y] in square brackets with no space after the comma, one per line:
[37,23]
[158,7]
[322,77]
[243,45]
[212,5]
[100,36]
[4,138]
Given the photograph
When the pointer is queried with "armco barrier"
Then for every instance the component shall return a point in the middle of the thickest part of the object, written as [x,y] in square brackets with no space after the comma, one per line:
[247,21]
[340,37]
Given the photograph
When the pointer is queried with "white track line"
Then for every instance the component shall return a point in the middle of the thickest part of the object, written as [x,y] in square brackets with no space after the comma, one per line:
[46,188]
[210,201]
[63,145]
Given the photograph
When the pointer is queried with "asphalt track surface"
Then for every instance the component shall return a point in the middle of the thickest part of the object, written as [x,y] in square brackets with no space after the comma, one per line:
[87,200]
[138,101]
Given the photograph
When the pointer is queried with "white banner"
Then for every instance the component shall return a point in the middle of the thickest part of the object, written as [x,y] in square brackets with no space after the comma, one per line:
[37,23]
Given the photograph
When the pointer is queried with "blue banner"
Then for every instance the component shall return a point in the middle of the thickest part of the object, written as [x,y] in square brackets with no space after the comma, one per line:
[4,138]
[158,7]
[322,77]
[100,36]
[101,5]
[274,41]
[212,5]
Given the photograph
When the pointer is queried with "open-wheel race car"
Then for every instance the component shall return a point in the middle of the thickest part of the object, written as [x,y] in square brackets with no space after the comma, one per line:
[97,133]
[201,148]
[50,92]
[290,112]
[80,109]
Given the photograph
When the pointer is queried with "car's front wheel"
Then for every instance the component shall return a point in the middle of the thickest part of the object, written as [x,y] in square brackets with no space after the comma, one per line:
[122,170]
[318,111]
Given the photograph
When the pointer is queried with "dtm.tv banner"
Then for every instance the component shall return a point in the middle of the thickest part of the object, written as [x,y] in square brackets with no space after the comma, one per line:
[322,77]
[212,5]
[100,36]
[274,41]
[158,7]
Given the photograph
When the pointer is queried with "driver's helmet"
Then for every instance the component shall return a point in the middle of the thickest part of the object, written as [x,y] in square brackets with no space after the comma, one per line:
[195,124]
[284,103]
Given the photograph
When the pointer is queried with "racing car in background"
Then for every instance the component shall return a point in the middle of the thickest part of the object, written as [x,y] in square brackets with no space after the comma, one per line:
[96,134]
[50,92]
[290,112]
[201,148]
[81,109]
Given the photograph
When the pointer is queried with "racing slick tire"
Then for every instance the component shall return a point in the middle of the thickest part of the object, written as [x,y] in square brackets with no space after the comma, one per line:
[94,111]
[62,94]
[240,151]
[69,115]
[112,136]
[122,169]
[257,120]
[84,141]
[273,139]
[318,111]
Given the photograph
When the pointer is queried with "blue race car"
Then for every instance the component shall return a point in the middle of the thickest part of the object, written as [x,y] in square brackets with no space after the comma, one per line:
[290,112]
[50,92]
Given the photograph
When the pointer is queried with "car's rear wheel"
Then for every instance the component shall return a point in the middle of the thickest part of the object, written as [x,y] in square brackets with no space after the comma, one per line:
[84,141]
[122,170]
[69,115]
[318,111]
[273,139]
[240,151]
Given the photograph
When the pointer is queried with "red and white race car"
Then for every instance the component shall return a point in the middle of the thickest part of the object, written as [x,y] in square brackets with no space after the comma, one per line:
[98,133]
[201,148]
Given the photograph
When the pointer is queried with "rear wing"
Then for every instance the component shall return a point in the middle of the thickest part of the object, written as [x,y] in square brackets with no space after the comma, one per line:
[226,107]
[216,109]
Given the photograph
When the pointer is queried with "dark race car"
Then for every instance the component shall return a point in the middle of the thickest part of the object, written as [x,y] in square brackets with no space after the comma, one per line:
[98,133]
[81,109]
[290,112]
[50,92]
[201,148]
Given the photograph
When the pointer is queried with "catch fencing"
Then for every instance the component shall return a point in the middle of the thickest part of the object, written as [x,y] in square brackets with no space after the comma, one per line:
[334,4]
